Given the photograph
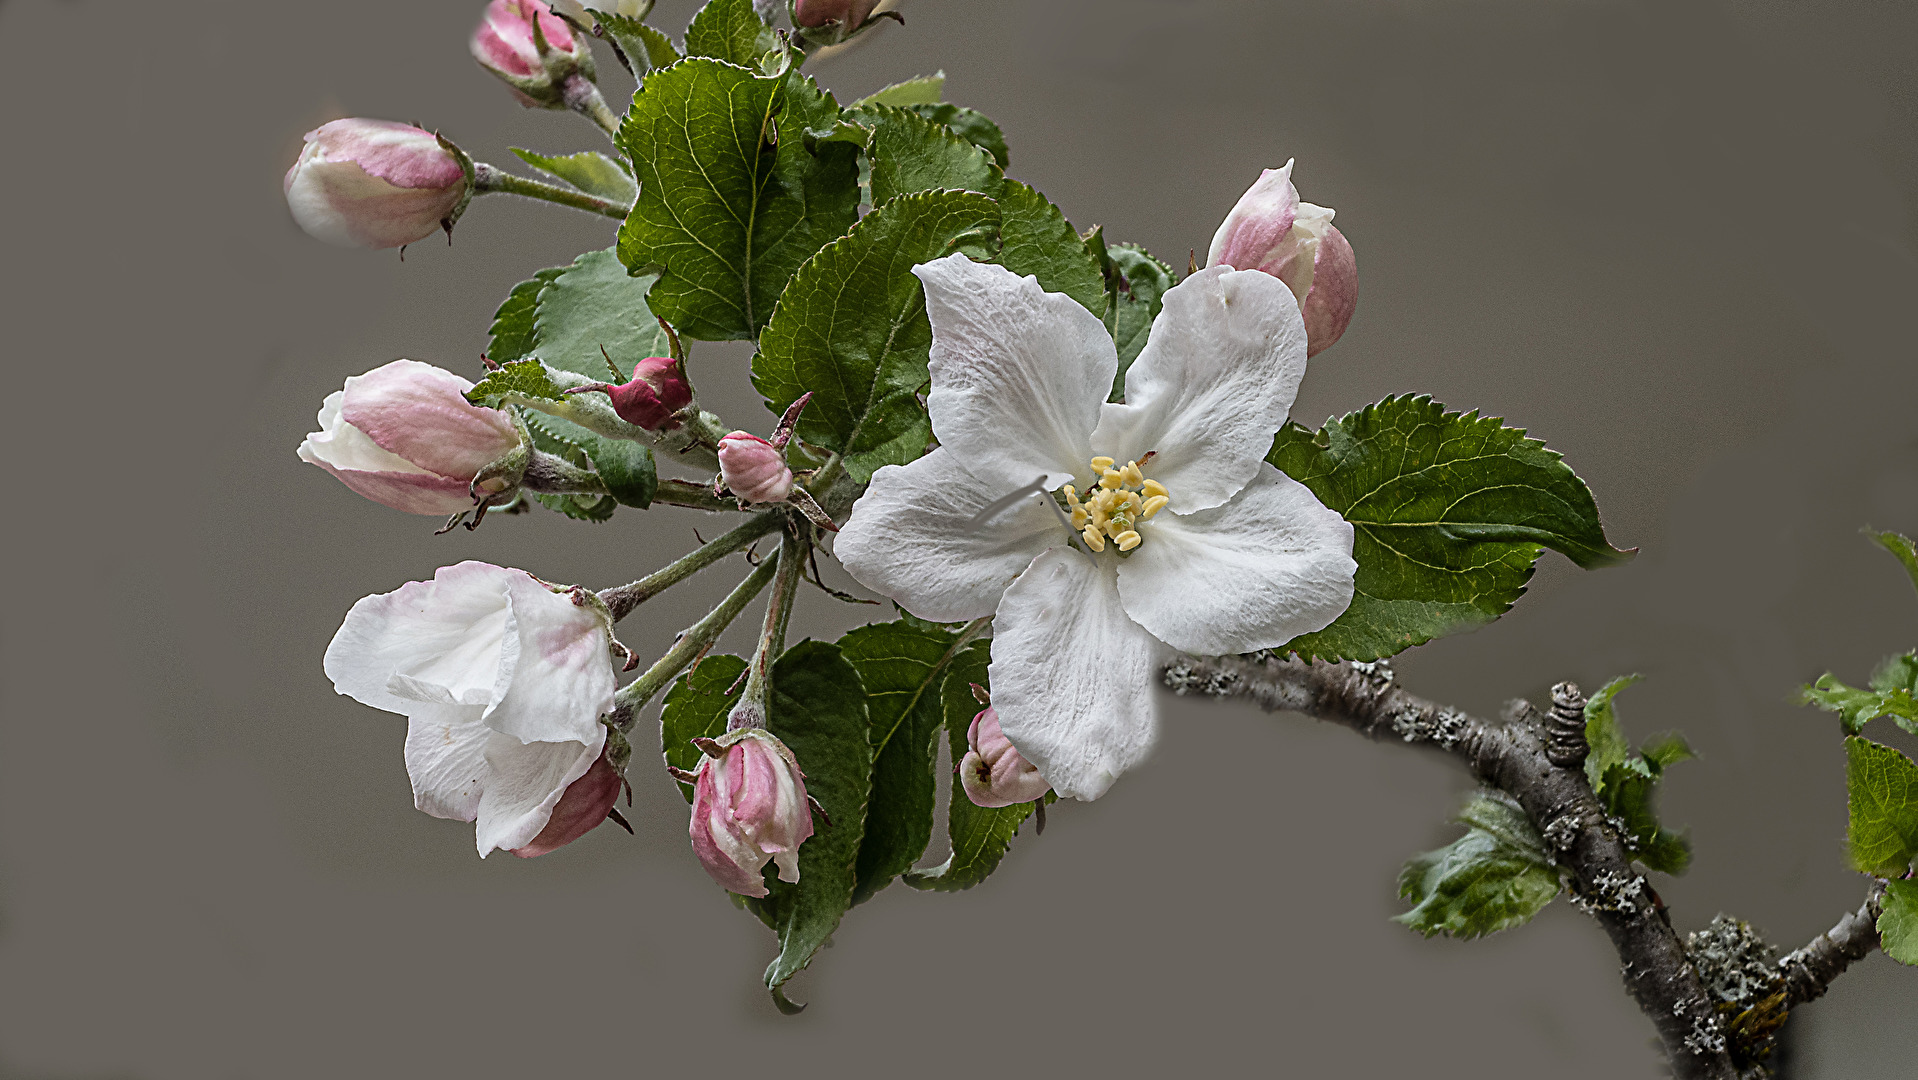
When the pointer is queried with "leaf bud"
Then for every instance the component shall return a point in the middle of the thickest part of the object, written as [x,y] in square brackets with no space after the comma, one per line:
[375,184]
[749,806]
[404,436]
[754,469]
[1272,231]
[993,771]
[533,51]
[653,397]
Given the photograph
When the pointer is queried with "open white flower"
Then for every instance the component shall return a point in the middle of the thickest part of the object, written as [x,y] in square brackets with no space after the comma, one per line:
[1180,534]
[502,681]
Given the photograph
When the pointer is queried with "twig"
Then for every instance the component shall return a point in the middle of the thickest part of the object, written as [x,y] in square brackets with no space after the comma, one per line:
[755,703]
[623,599]
[1809,971]
[1511,757]
[691,644]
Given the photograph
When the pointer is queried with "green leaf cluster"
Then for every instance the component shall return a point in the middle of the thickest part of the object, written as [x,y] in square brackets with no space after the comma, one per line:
[1497,876]
[1449,512]
[1627,784]
[1894,685]
[1883,794]
[861,716]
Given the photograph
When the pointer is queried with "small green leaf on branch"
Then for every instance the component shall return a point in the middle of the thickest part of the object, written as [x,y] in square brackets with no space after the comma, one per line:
[593,305]
[1856,708]
[1497,876]
[1603,734]
[515,381]
[589,171]
[921,90]
[1883,792]
[732,31]
[1035,238]
[1901,546]
[911,153]
[512,332]
[696,708]
[972,126]
[1898,923]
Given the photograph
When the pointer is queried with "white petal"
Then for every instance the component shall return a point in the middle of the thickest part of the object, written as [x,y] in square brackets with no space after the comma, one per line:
[446,759]
[1213,384]
[523,783]
[1018,373]
[1072,676]
[437,641]
[561,673]
[911,538]
[340,445]
[1254,573]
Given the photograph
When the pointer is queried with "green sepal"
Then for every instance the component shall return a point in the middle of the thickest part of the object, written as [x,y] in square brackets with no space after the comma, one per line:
[1449,513]
[971,125]
[696,708]
[920,90]
[903,667]
[589,171]
[1497,876]
[732,31]
[765,198]
[512,331]
[978,835]
[852,329]
[1898,922]
[1882,789]
[819,712]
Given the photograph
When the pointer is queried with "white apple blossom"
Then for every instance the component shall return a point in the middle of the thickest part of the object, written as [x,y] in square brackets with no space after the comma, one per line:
[1181,536]
[502,679]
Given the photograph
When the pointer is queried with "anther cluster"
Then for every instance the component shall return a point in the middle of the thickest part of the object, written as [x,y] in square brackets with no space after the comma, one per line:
[1113,509]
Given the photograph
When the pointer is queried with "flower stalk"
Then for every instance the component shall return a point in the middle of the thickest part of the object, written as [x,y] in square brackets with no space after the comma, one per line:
[755,704]
[692,643]
[622,600]
[491,179]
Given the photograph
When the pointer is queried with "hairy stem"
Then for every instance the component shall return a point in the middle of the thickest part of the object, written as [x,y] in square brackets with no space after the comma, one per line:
[550,474]
[584,98]
[623,599]
[692,641]
[1809,971]
[695,496]
[490,179]
[1512,757]
[755,703]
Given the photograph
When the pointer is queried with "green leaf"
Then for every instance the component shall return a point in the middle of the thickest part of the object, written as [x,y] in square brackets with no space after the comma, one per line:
[902,667]
[911,153]
[852,329]
[819,712]
[1136,286]
[696,708]
[627,468]
[1856,708]
[1449,510]
[1900,545]
[1035,238]
[970,125]
[595,304]
[642,46]
[570,441]
[979,835]
[1629,791]
[922,90]
[589,171]
[732,31]
[1898,923]
[728,214]
[1883,787]
[512,331]
[1666,749]
[1896,673]
[515,379]
[1603,734]
[1497,876]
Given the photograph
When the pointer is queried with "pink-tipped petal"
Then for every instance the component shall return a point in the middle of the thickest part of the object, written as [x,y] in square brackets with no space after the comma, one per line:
[1335,292]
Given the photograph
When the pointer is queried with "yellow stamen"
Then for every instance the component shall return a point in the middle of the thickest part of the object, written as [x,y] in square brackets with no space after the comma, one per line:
[1101,464]
[1080,517]
[1094,538]
[1131,474]
[1111,512]
[1153,489]
[1110,479]
[1127,540]
[1153,506]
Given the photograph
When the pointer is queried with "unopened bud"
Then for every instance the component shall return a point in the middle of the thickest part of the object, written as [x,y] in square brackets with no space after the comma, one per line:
[532,50]
[850,14]
[653,397]
[586,803]
[374,183]
[749,806]
[993,772]
[1272,231]
[405,436]
[754,469]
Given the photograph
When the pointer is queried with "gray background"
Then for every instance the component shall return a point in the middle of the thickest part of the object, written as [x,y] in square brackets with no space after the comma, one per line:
[1674,238]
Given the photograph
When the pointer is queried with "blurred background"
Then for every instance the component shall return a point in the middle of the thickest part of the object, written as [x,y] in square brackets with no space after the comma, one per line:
[1671,237]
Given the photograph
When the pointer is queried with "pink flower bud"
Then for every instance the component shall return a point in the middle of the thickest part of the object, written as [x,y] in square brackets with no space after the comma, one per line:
[1272,231]
[851,14]
[586,803]
[405,436]
[754,468]
[373,183]
[504,44]
[749,805]
[994,773]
